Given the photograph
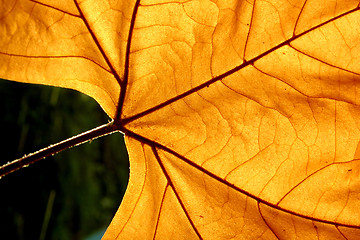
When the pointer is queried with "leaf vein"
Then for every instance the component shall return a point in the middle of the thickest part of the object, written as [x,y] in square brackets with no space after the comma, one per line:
[55,8]
[231,71]
[159,213]
[127,63]
[155,144]
[267,224]
[96,41]
[174,189]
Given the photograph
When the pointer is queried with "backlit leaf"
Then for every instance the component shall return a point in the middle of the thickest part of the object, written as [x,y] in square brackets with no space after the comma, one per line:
[241,117]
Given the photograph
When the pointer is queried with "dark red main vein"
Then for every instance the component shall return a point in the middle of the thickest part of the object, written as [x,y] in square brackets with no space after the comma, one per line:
[235,69]
[157,145]
[124,84]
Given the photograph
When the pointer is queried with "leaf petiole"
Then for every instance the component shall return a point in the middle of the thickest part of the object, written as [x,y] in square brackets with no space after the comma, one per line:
[58,147]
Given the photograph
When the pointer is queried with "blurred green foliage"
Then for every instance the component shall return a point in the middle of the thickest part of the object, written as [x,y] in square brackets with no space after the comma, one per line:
[71,194]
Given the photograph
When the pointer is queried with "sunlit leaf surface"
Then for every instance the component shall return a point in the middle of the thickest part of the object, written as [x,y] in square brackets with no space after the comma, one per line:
[242,118]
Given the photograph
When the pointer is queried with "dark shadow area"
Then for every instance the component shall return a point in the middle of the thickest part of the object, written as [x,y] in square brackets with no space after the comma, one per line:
[66,196]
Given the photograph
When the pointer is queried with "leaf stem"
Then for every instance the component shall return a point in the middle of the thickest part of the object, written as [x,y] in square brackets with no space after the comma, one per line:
[58,147]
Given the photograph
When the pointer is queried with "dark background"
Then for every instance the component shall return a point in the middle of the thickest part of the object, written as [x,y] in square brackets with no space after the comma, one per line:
[66,196]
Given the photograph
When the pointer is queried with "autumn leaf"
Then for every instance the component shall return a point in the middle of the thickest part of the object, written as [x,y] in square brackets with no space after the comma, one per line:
[241,117]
